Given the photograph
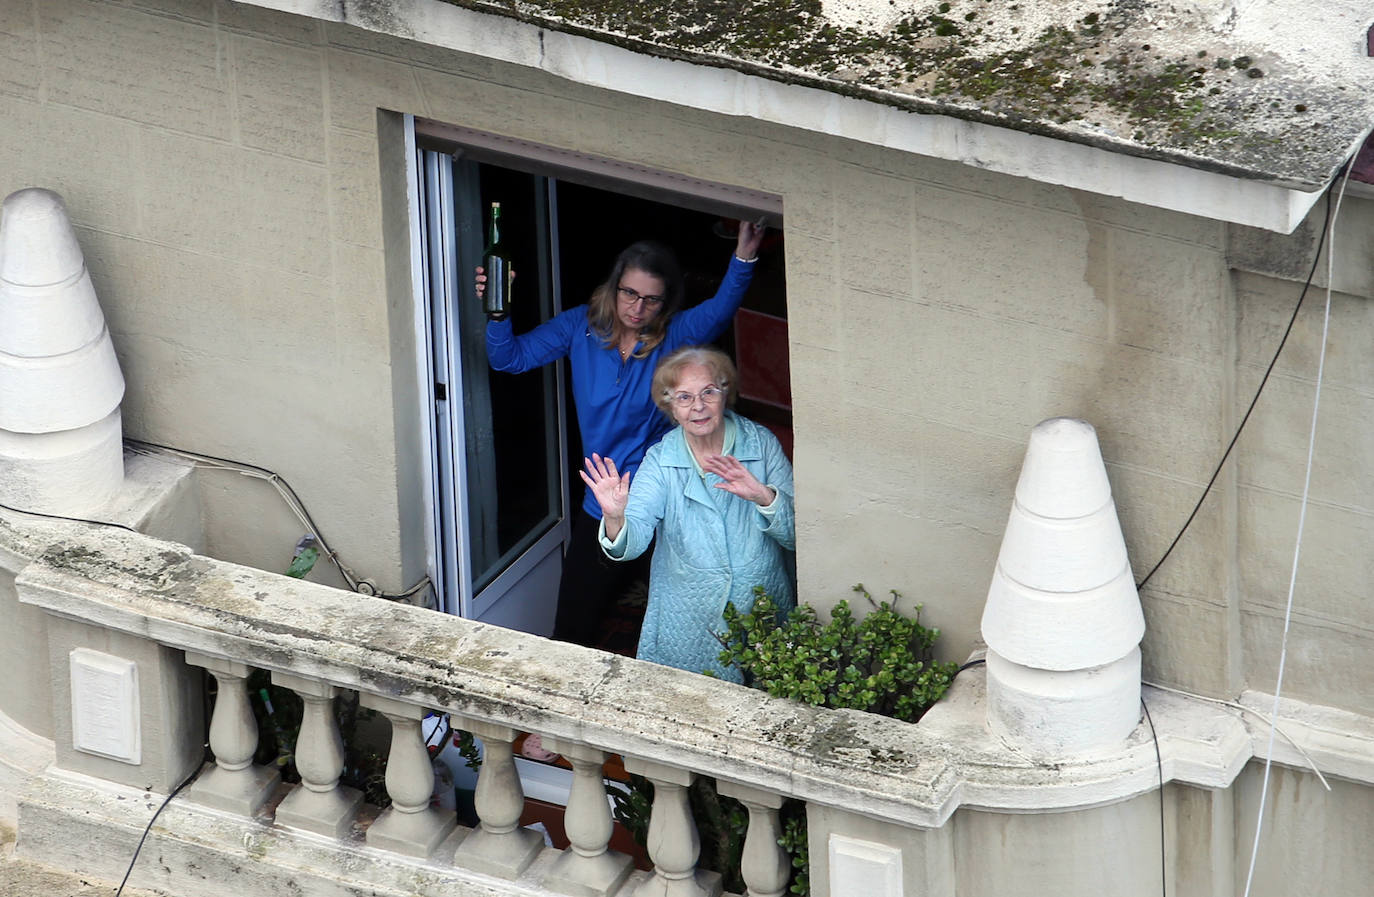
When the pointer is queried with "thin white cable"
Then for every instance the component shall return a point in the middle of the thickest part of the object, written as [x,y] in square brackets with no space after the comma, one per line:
[1297,546]
[1235,705]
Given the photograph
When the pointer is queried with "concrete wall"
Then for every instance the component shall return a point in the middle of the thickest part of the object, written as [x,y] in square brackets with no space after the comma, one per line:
[220,167]
[1115,849]
[1106,850]
[223,165]
[27,698]
[1299,843]
[171,699]
[1329,643]
[1112,849]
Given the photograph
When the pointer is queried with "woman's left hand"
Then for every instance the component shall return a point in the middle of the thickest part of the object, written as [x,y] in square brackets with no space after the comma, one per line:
[749,240]
[737,480]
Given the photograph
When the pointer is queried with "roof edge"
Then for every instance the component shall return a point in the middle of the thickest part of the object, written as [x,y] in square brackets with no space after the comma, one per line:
[1078,161]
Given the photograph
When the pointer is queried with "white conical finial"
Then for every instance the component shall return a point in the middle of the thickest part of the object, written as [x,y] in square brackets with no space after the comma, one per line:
[61,446]
[1063,620]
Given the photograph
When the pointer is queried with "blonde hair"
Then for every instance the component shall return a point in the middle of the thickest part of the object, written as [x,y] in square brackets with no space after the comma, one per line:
[669,371]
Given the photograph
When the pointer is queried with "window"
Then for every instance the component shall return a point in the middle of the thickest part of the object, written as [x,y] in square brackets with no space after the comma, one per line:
[505,448]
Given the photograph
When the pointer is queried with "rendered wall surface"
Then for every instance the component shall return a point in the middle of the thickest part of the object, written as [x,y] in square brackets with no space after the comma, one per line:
[1299,842]
[156,498]
[1329,649]
[1115,849]
[233,227]
[27,696]
[925,856]
[1106,850]
[222,166]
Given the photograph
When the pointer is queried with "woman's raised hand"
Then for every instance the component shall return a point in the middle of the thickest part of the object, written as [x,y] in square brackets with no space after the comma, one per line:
[750,239]
[611,488]
[737,480]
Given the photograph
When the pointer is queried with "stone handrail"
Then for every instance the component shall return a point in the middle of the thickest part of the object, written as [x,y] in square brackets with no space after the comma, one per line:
[871,766]
[669,726]
[486,674]
[857,772]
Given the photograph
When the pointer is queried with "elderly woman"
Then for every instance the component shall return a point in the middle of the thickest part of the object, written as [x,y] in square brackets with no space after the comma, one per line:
[717,490]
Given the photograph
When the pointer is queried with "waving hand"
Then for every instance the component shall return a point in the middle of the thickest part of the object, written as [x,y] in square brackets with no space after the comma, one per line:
[611,488]
[737,480]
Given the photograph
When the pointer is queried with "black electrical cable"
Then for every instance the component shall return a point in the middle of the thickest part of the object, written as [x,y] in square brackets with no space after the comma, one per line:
[277,478]
[1321,241]
[1159,764]
[971,663]
[71,519]
[133,859]
[271,474]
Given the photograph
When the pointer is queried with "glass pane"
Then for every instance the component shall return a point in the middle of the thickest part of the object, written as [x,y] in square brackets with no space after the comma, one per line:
[510,420]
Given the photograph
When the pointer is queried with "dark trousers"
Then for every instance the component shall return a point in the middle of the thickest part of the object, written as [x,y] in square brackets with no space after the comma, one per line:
[591,583]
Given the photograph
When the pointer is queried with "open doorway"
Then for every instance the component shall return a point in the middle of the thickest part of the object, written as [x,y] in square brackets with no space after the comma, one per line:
[504,449]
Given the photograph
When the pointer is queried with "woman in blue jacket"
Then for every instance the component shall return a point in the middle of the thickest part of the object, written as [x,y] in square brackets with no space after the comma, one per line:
[717,494]
[613,344]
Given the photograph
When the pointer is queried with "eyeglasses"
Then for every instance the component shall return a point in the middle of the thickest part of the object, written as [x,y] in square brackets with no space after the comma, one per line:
[633,296]
[709,396]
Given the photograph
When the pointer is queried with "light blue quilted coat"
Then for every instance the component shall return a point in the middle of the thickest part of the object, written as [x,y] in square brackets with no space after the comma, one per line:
[712,548]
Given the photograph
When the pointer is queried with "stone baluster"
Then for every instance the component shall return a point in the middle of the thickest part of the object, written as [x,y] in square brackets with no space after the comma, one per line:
[588,869]
[765,866]
[320,805]
[500,847]
[674,844]
[233,783]
[410,825]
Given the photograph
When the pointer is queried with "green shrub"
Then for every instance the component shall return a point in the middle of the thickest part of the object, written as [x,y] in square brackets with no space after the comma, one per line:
[632,805]
[881,663]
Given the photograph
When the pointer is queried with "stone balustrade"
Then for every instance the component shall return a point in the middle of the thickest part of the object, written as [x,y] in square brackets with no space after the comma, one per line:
[405,662]
[138,616]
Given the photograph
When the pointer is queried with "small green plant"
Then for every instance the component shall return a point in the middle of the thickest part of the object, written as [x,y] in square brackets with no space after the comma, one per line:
[794,841]
[467,749]
[278,711]
[722,823]
[632,806]
[882,663]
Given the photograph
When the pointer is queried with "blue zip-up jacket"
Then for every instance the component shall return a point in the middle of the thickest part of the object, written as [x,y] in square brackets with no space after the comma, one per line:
[713,547]
[615,411]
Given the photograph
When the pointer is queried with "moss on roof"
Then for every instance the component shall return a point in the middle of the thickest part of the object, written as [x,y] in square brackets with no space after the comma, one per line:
[1133,76]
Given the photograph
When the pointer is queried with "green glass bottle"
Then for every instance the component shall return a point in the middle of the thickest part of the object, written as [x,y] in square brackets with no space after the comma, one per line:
[496,297]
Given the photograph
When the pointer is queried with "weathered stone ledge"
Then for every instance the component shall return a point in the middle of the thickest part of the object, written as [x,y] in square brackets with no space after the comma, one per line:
[913,775]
